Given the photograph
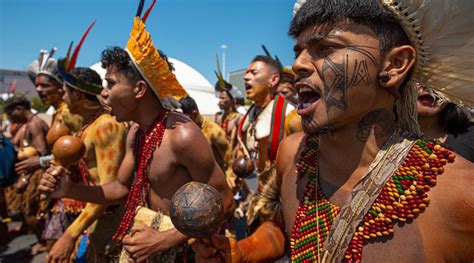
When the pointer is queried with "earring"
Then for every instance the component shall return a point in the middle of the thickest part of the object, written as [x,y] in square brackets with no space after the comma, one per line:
[384,77]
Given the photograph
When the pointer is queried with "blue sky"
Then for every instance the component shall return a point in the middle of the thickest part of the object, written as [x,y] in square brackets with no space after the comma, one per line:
[189,30]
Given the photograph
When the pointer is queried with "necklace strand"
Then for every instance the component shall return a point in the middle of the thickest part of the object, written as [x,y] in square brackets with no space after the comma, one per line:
[401,200]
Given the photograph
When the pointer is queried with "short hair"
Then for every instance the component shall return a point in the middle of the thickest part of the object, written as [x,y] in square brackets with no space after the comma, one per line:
[454,119]
[16,100]
[370,13]
[120,60]
[273,63]
[188,104]
[89,76]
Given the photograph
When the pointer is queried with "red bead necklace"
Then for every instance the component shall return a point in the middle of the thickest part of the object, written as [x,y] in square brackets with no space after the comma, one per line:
[402,198]
[145,144]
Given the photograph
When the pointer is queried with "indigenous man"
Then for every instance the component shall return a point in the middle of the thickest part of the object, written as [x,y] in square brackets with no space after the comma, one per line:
[104,139]
[286,88]
[357,184]
[164,149]
[263,126]
[214,134]
[229,98]
[30,141]
[446,121]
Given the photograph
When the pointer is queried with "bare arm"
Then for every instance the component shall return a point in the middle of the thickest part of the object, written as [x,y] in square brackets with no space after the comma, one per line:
[190,142]
[109,151]
[38,137]
[108,193]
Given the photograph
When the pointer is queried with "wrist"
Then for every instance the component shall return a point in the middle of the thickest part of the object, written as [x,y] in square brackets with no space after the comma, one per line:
[44,161]
[68,236]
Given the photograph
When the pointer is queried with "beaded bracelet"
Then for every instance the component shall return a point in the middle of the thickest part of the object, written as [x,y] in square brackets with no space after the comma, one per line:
[45,160]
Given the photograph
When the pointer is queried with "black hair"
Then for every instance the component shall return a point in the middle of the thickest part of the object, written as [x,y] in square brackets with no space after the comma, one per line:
[370,13]
[16,100]
[188,104]
[120,60]
[454,119]
[87,75]
[273,63]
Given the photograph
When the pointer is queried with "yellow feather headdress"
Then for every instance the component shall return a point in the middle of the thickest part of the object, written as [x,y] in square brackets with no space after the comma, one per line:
[153,68]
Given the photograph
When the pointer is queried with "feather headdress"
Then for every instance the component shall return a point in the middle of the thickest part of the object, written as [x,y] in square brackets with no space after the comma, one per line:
[146,58]
[67,65]
[46,65]
[442,32]
[222,85]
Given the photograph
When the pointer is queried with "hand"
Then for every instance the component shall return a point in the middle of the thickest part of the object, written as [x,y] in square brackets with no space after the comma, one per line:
[62,249]
[27,165]
[219,249]
[143,242]
[55,181]
[21,183]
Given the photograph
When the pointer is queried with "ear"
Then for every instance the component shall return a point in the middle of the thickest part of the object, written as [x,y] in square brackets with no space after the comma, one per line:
[398,62]
[140,89]
[275,78]
[76,95]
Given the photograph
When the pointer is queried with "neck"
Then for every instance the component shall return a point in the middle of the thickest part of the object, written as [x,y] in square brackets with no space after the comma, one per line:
[358,143]
[228,111]
[430,127]
[263,102]
[28,115]
[147,111]
[90,111]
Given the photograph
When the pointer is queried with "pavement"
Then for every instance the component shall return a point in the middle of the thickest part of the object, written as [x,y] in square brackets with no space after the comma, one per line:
[18,249]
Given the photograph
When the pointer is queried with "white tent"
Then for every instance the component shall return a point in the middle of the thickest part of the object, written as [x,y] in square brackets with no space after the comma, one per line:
[198,87]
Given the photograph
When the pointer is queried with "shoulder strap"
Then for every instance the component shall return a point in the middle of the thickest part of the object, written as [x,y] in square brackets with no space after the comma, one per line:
[277,128]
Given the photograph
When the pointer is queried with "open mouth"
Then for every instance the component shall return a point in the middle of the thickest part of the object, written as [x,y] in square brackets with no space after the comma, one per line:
[427,99]
[308,97]
[247,86]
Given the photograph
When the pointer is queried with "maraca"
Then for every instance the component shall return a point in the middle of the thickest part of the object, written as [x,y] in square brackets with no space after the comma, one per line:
[243,167]
[57,131]
[197,210]
[67,150]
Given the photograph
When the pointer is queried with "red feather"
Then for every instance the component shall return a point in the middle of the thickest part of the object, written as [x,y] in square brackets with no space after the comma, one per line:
[145,16]
[76,51]
[12,87]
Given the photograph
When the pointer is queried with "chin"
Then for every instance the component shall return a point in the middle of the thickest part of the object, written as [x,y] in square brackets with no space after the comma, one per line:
[315,127]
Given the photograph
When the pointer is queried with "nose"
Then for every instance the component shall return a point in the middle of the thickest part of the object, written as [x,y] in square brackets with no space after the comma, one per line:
[39,88]
[247,77]
[104,93]
[302,65]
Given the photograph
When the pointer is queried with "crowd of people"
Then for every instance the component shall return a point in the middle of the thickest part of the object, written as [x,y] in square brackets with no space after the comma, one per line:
[363,149]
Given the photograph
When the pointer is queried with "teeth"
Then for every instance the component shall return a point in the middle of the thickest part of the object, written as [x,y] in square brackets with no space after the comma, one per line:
[305,89]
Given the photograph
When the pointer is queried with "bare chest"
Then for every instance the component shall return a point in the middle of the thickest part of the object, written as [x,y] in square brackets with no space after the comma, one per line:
[166,176]
[421,240]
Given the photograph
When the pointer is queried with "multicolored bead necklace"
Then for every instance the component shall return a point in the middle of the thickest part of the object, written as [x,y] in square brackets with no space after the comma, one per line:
[402,198]
[145,145]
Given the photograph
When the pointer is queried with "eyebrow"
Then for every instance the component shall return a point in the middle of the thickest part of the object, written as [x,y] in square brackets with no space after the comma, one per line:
[317,37]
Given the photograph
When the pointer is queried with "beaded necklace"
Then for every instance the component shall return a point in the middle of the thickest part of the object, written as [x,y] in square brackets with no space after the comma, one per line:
[145,144]
[401,199]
